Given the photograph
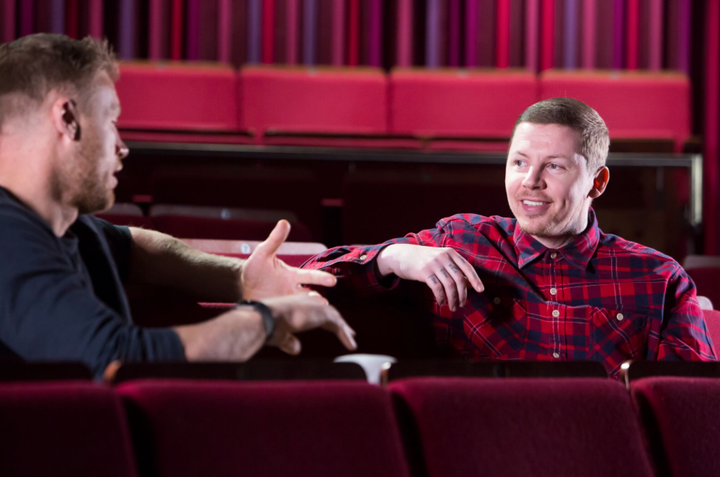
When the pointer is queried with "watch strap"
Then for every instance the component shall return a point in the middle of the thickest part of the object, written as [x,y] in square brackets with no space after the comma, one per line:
[265,314]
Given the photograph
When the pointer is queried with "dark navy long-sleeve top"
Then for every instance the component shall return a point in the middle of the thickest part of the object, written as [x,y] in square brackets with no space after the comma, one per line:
[62,298]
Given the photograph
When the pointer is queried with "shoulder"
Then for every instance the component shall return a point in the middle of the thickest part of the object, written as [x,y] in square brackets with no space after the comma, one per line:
[482,224]
[638,256]
[20,226]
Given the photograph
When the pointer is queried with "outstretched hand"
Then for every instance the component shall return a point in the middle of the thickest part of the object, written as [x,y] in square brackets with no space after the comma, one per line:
[302,312]
[264,275]
[441,268]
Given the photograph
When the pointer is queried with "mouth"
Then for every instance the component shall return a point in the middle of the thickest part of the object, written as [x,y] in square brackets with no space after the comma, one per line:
[531,206]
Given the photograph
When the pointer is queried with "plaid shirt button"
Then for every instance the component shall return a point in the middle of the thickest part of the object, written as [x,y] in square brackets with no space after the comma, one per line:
[553,291]
[553,255]
[620,316]
[556,313]
[556,355]
[497,300]
[363,257]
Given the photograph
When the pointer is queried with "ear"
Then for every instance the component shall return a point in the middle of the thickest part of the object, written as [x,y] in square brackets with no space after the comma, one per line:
[65,118]
[600,182]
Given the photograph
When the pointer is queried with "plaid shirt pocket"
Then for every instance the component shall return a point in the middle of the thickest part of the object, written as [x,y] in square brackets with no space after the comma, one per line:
[616,336]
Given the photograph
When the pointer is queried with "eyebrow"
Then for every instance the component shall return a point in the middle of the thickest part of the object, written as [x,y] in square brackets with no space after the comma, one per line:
[551,156]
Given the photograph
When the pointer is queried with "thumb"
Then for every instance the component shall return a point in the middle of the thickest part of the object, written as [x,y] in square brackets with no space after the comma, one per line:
[275,239]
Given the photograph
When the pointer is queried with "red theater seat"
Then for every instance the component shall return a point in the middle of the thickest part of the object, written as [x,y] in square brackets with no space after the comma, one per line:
[634,105]
[681,416]
[173,96]
[126,214]
[321,101]
[292,253]
[64,430]
[311,429]
[222,223]
[519,427]
[459,103]
[705,272]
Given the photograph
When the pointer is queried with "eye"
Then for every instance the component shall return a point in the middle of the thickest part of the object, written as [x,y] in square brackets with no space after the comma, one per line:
[518,162]
[554,167]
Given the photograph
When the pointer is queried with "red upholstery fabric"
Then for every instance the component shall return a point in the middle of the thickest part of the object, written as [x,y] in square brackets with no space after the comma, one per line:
[216,228]
[519,427]
[310,429]
[69,429]
[459,104]
[633,104]
[685,414]
[707,281]
[163,96]
[314,100]
[186,137]
[357,142]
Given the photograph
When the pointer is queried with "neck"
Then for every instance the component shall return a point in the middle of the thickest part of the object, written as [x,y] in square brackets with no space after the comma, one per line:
[555,242]
[560,241]
[26,171]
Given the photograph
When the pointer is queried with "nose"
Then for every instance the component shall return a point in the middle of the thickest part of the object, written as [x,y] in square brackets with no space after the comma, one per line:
[533,179]
[121,150]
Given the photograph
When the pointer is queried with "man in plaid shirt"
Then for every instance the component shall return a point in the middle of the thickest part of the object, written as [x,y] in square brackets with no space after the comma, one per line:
[547,284]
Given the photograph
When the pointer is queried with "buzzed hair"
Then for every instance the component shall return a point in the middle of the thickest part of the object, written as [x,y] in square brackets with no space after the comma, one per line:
[594,136]
[34,65]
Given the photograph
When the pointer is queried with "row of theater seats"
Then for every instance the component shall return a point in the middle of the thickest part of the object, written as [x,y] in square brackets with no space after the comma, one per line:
[221,223]
[433,426]
[367,108]
[705,272]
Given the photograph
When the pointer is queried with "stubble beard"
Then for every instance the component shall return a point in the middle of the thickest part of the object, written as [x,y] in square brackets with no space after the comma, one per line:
[80,182]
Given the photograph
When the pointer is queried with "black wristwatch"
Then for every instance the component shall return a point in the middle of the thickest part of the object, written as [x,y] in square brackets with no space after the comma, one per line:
[265,313]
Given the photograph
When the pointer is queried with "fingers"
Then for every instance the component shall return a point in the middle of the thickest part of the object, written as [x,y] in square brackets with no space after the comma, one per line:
[469,272]
[460,282]
[448,277]
[437,288]
[315,277]
[453,290]
[276,238]
[290,345]
[297,313]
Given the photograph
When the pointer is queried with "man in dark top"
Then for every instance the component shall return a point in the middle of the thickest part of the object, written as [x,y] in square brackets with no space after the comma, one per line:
[62,271]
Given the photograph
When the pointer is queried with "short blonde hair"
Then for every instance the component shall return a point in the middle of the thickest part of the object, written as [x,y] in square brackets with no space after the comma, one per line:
[34,65]
[594,136]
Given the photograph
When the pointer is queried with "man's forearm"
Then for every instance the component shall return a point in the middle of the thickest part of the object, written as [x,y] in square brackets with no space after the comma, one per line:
[161,260]
[234,336]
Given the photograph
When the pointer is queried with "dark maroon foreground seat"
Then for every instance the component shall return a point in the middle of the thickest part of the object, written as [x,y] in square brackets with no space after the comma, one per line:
[309,429]
[521,427]
[682,416]
[70,429]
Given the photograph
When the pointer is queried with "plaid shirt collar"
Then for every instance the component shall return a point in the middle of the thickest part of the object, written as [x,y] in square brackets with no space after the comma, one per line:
[578,252]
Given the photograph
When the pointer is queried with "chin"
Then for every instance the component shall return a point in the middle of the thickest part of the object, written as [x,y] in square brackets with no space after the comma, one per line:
[97,204]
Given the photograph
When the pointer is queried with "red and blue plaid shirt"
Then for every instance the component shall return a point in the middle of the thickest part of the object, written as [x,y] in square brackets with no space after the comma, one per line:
[599,298]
